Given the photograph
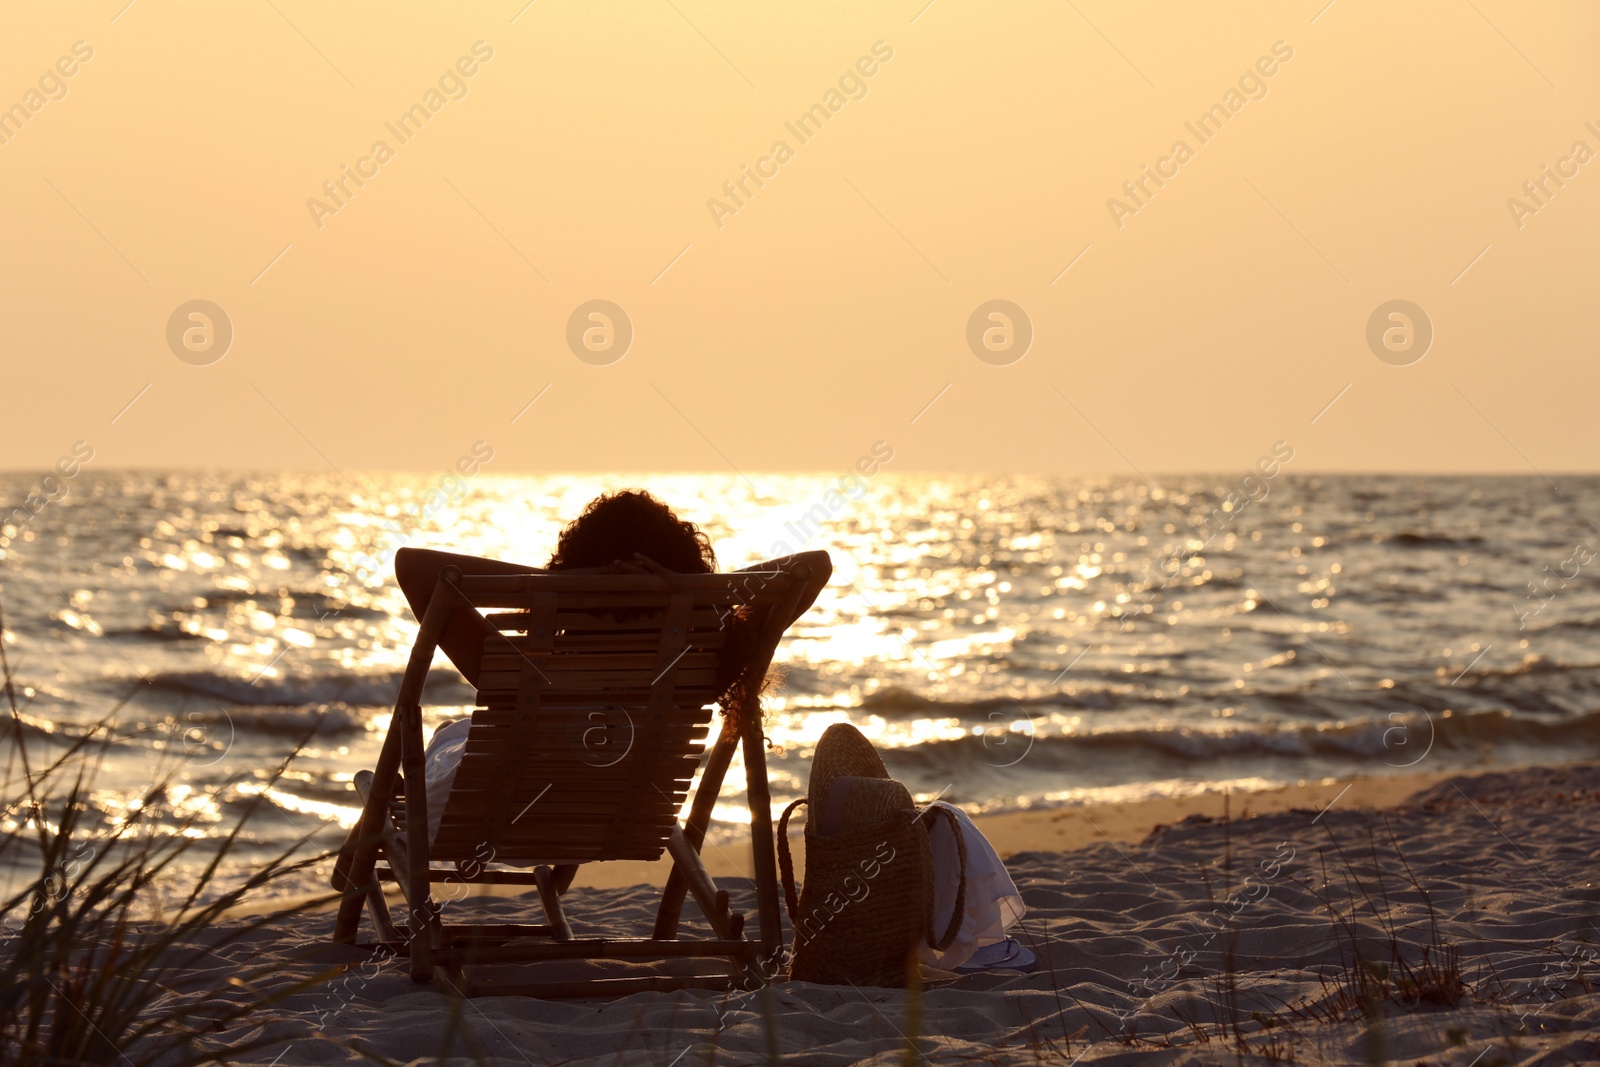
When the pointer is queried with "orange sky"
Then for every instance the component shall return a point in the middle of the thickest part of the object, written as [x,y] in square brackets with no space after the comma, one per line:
[579,160]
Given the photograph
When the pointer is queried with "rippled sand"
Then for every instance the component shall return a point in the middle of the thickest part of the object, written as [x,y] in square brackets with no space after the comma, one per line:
[1153,951]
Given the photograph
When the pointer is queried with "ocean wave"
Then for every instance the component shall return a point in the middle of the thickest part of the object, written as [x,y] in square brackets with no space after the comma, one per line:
[1343,533]
[898,700]
[308,602]
[322,718]
[1556,626]
[1414,539]
[1399,740]
[221,597]
[1305,698]
[362,690]
[1533,663]
[156,631]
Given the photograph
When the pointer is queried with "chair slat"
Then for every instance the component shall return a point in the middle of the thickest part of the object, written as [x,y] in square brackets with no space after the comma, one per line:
[594,640]
[615,617]
[688,699]
[606,748]
[620,660]
[563,792]
[496,723]
[574,819]
[560,676]
[752,587]
[604,703]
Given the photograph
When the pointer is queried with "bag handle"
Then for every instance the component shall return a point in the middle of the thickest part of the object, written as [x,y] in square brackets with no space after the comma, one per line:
[959,914]
[786,864]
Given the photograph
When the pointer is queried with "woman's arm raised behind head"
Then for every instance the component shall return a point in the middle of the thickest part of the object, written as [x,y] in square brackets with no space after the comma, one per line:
[817,562]
[417,570]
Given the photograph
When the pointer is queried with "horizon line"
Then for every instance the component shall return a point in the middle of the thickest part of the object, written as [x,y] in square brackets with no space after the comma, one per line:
[810,471]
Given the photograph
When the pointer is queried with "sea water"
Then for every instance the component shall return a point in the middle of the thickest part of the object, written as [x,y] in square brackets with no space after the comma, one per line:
[1006,641]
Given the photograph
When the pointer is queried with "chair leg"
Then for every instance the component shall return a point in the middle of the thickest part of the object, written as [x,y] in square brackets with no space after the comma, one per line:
[402,752]
[695,826]
[550,897]
[346,857]
[743,971]
[450,973]
[764,854]
[713,901]
[378,908]
[354,872]
[348,919]
[565,873]
[392,851]
[426,928]
[360,851]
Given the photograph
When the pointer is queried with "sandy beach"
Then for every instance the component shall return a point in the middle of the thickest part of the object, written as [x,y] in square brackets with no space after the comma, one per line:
[1177,937]
[1078,826]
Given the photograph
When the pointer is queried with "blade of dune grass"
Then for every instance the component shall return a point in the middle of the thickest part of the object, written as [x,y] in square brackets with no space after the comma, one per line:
[93,967]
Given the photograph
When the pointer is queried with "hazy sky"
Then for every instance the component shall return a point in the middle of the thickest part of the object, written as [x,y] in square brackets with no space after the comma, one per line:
[966,153]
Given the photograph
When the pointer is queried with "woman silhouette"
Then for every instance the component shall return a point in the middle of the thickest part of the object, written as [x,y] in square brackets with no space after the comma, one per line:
[626,532]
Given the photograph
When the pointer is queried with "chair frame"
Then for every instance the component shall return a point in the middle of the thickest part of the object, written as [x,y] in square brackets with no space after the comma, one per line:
[439,950]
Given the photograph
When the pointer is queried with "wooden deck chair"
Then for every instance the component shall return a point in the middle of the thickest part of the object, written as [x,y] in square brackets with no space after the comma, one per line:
[595,703]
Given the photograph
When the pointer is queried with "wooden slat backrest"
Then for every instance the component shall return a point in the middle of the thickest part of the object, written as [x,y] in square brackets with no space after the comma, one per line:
[595,709]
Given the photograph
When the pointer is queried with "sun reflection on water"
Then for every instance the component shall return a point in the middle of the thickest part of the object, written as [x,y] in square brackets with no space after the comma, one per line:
[969,618]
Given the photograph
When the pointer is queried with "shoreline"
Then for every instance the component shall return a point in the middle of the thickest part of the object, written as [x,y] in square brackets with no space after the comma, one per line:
[1072,826]
[1066,828]
[1057,828]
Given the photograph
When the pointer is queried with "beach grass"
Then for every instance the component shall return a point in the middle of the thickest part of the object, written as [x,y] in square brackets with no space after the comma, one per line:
[100,945]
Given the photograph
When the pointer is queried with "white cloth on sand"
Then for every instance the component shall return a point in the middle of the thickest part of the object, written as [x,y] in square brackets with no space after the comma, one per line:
[439,762]
[993,904]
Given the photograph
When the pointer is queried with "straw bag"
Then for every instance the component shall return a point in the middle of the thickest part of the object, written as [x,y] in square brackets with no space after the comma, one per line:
[868,891]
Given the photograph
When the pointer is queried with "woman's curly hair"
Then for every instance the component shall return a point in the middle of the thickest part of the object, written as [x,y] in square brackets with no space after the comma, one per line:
[615,526]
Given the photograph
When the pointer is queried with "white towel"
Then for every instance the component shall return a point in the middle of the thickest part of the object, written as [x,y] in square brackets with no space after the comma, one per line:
[993,904]
[440,760]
